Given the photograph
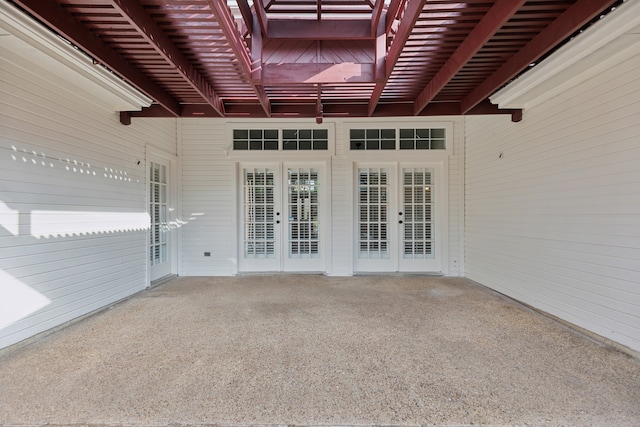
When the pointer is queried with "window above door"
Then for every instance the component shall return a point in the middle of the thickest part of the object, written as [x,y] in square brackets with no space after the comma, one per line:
[269,141]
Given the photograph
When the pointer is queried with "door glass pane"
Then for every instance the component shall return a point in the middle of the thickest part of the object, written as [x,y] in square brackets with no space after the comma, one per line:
[417,205]
[373,226]
[258,210]
[303,212]
[158,213]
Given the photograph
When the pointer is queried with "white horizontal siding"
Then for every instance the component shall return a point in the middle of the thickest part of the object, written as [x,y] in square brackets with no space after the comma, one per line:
[72,199]
[555,223]
[207,197]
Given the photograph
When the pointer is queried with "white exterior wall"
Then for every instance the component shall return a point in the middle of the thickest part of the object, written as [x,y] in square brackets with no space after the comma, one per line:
[555,222]
[208,191]
[73,221]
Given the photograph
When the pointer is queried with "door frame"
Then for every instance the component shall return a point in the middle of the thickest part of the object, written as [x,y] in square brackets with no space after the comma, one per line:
[153,154]
[441,200]
[281,166]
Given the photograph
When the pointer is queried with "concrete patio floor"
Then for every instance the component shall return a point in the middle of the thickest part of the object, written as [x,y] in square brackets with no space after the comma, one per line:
[314,350]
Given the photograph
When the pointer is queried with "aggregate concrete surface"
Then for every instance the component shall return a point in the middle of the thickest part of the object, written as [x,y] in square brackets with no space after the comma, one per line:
[315,350]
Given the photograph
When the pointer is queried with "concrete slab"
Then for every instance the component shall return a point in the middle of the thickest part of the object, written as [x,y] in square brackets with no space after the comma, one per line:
[314,350]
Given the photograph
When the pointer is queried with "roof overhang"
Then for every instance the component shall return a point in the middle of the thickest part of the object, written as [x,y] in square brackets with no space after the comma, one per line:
[30,41]
[614,39]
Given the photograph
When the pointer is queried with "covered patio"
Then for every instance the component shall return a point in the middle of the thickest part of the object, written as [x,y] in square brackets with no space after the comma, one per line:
[317,350]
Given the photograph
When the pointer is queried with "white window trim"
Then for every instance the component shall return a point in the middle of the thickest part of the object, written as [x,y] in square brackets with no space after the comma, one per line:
[401,155]
[249,155]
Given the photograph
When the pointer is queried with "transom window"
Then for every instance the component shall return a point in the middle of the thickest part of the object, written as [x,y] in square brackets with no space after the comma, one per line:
[373,139]
[255,139]
[276,139]
[398,139]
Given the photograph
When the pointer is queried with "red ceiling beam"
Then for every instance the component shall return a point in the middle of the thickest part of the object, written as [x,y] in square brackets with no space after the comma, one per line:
[376,15]
[140,19]
[247,15]
[329,110]
[380,51]
[326,29]
[490,23]
[227,24]
[49,12]
[261,16]
[256,53]
[317,73]
[409,18]
[392,12]
[579,14]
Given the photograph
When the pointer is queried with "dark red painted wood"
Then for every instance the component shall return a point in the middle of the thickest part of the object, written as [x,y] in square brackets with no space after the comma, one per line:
[138,17]
[495,18]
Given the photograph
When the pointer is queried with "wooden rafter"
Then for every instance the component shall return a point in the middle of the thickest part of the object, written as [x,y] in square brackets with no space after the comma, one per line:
[227,24]
[392,12]
[409,18]
[261,16]
[492,21]
[376,15]
[49,12]
[581,12]
[138,17]
[247,15]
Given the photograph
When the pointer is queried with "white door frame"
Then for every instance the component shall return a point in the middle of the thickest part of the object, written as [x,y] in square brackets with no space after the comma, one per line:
[394,264]
[171,161]
[282,263]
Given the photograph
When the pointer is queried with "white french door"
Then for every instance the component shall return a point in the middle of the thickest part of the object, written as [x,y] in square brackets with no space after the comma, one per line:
[159,232]
[396,218]
[281,218]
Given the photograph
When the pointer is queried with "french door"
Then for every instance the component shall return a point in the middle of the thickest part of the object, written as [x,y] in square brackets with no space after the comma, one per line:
[396,218]
[159,233]
[281,217]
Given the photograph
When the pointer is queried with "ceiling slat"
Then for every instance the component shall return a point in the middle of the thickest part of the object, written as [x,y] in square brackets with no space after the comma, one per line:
[139,18]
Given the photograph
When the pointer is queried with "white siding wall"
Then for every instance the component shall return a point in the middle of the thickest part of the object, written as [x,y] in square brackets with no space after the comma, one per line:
[207,199]
[555,223]
[72,200]
[208,194]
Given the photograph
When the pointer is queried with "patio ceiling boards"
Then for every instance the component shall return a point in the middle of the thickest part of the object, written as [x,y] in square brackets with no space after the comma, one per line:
[316,58]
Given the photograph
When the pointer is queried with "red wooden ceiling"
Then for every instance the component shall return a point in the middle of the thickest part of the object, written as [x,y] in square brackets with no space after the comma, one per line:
[316,58]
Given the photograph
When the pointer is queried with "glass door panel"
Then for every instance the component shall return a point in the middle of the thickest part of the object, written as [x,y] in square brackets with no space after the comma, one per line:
[375,248]
[159,229]
[417,223]
[259,219]
[303,213]
[304,218]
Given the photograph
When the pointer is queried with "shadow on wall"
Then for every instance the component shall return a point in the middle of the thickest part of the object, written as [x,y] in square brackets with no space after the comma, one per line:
[47,251]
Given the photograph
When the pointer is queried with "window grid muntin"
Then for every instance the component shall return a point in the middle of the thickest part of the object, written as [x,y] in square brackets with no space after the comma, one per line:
[280,139]
[399,138]
[305,139]
[372,139]
[418,197]
[159,227]
[259,239]
[373,214]
[422,139]
[255,139]
[303,209]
